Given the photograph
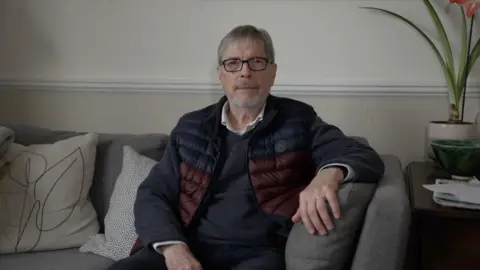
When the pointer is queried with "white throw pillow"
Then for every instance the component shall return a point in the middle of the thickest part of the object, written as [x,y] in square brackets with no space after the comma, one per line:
[120,233]
[44,195]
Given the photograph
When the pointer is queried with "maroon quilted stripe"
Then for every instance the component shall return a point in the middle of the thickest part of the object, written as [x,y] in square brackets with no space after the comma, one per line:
[137,245]
[278,180]
[193,185]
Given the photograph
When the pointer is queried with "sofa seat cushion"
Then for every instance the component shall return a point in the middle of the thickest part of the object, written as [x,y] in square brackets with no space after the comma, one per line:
[70,259]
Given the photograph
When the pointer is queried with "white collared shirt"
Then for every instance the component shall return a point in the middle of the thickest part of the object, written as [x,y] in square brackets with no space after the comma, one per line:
[249,127]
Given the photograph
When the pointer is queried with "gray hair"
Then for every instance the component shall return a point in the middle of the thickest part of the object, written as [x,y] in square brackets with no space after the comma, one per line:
[246,32]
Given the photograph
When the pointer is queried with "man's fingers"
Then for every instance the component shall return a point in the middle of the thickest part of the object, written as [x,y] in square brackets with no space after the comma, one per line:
[313,214]
[304,215]
[334,204]
[296,218]
[323,212]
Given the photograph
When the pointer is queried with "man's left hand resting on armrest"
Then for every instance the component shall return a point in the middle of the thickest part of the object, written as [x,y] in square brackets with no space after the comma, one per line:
[315,198]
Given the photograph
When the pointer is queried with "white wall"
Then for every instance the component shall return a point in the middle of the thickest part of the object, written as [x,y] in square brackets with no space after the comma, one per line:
[317,41]
[363,71]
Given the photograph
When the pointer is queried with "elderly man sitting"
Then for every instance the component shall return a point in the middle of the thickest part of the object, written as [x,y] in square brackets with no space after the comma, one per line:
[238,174]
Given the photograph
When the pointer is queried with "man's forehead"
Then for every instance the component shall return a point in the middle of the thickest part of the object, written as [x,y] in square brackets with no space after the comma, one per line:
[245,47]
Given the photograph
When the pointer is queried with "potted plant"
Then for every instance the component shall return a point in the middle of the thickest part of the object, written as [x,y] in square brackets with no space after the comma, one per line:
[455,127]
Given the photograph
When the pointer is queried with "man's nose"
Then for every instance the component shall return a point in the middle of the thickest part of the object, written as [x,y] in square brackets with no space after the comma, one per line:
[245,71]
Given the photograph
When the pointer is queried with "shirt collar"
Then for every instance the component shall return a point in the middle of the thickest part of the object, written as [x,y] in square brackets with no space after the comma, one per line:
[225,122]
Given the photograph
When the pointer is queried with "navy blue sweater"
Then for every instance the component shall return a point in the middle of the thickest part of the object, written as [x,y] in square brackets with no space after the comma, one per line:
[232,217]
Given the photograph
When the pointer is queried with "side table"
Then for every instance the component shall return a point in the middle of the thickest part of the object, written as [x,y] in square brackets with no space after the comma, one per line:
[441,237]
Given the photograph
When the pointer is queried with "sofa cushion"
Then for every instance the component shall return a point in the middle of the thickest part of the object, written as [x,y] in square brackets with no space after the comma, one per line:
[70,259]
[108,160]
[44,195]
[119,236]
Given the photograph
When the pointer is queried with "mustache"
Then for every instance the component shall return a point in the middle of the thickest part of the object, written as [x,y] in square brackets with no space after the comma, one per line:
[246,85]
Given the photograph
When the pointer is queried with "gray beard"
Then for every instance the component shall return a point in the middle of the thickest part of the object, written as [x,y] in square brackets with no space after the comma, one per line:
[247,104]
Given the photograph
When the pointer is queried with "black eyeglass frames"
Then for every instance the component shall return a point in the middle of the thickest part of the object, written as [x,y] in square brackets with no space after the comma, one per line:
[255,64]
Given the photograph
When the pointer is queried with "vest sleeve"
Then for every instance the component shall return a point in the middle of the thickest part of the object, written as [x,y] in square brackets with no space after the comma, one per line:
[331,147]
[156,206]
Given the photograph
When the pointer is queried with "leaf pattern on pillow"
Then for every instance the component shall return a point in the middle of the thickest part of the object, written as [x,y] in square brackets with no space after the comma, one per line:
[39,186]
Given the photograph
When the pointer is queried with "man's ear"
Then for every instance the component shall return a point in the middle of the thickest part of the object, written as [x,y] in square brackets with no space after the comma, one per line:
[219,74]
[274,71]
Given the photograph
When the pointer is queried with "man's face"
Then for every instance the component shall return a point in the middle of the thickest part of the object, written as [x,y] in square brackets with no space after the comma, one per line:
[246,85]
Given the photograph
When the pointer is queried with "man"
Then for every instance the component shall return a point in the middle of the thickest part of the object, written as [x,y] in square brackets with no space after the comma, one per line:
[237,174]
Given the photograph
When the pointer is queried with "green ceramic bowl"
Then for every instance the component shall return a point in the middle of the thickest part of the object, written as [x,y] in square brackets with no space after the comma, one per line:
[458,157]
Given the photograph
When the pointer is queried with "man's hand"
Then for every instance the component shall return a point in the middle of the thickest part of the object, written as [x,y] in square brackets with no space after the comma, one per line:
[313,208]
[179,257]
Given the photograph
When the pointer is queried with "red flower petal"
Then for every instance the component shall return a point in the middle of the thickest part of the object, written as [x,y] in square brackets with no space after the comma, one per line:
[472,7]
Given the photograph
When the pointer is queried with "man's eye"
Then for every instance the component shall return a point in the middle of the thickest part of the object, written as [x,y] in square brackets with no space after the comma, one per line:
[233,63]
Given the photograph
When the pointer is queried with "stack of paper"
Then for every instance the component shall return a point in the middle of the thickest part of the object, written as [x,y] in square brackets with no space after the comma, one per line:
[463,194]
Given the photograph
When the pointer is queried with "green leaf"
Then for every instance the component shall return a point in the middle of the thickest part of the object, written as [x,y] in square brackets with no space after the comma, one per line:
[443,39]
[463,56]
[448,74]
[474,54]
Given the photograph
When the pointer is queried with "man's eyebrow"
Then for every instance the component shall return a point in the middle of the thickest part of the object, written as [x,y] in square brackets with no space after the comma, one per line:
[239,58]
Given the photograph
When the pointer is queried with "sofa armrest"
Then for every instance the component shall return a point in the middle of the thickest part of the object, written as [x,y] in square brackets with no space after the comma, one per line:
[383,241]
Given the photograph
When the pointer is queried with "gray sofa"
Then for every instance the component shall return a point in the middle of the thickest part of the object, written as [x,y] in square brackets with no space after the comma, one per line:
[379,244]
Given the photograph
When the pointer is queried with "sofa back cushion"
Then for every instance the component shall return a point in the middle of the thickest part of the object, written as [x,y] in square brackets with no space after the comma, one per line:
[109,156]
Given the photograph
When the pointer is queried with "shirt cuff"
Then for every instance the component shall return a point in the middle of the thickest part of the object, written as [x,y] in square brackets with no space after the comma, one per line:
[350,174]
[159,244]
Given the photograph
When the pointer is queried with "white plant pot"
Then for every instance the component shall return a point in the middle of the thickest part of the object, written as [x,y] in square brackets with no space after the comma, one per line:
[445,130]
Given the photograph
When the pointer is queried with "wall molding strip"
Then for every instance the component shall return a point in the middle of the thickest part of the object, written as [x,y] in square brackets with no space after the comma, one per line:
[191,87]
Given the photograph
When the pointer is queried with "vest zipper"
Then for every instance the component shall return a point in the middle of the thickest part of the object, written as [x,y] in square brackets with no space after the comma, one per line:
[218,169]
[264,123]
[249,175]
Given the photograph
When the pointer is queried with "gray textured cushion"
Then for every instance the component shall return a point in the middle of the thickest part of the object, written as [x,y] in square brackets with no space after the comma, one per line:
[333,251]
[70,259]
[108,159]
[117,241]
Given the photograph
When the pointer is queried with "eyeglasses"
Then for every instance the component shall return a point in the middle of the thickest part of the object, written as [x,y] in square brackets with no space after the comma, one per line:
[255,64]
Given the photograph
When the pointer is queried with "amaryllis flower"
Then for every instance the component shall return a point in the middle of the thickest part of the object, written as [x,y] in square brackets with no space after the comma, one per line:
[470,5]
